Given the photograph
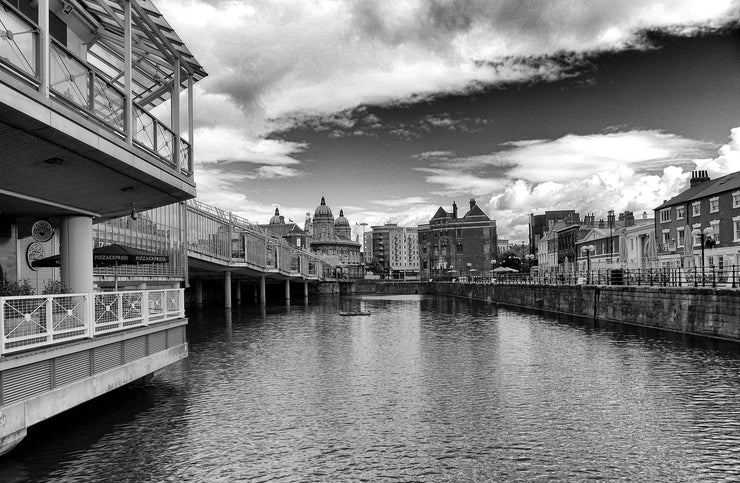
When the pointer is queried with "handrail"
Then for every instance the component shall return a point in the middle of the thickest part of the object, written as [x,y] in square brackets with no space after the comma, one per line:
[31,322]
[88,89]
[263,249]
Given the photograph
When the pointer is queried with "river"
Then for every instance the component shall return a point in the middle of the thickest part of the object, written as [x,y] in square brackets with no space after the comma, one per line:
[423,389]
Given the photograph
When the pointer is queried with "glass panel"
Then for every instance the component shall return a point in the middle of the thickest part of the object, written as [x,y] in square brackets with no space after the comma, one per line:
[68,77]
[108,103]
[144,128]
[165,143]
[17,42]
[184,156]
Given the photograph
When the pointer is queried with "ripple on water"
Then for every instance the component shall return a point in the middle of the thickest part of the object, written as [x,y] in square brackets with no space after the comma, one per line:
[425,389]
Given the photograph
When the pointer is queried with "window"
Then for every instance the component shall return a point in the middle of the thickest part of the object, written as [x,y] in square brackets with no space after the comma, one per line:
[715,227]
[696,240]
[681,236]
[680,212]
[736,199]
[665,215]
[714,204]
[736,229]
[666,237]
[696,208]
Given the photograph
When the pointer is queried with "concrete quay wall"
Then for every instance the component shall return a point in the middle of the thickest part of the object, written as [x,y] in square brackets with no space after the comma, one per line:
[701,311]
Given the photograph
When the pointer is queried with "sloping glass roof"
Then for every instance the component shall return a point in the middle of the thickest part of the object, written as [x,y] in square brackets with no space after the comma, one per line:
[155,47]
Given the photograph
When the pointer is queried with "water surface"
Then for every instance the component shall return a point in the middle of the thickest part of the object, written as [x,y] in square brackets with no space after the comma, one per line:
[424,389]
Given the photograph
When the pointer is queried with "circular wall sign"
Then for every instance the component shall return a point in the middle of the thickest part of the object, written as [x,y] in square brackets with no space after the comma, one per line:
[42,231]
[35,251]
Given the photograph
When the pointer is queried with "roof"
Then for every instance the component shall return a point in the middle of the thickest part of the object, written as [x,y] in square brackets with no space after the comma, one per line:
[441,213]
[707,188]
[155,47]
[476,212]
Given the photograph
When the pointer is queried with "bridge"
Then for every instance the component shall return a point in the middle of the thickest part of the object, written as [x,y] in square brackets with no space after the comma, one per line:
[225,247]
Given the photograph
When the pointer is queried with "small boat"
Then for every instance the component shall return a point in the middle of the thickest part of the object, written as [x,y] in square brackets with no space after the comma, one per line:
[354,312]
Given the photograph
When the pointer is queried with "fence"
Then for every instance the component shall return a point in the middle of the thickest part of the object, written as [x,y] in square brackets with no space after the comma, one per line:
[42,320]
[723,277]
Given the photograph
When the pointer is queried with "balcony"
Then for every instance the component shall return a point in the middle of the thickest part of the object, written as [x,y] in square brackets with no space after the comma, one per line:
[65,114]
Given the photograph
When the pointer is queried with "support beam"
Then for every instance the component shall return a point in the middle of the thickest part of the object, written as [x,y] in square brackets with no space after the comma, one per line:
[305,290]
[227,290]
[238,292]
[45,45]
[287,289]
[75,253]
[128,110]
[263,295]
[175,111]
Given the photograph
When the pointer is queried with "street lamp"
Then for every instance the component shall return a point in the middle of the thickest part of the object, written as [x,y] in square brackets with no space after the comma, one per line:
[705,238]
[588,250]
[610,219]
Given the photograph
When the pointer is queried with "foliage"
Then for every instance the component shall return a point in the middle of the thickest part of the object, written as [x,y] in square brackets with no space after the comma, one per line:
[54,287]
[14,289]
[375,267]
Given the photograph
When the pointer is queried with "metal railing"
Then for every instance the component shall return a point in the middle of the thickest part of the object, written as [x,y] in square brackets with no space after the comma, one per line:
[31,322]
[715,277]
[82,86]
[252,245]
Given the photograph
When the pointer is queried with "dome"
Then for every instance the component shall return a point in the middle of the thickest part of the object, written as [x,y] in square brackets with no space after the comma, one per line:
[341,221]
[342,229]
[323,211]
[277,219]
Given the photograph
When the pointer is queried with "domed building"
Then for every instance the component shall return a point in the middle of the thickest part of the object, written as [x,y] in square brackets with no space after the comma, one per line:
[333,240]
[290,232]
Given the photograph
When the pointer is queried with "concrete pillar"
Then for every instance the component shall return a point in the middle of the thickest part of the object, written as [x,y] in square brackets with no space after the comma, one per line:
[199,292]
[238,292]
[75,253]
[287,289]
[263,295]
[305,289]
[227,290]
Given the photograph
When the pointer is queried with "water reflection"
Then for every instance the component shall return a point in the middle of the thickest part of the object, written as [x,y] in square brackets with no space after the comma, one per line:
[424,389]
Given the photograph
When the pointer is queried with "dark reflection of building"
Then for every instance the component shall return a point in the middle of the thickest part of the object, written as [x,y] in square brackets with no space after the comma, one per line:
[450,246]
[332,239]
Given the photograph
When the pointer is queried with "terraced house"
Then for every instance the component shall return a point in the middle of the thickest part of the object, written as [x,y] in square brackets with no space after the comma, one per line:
[709,212]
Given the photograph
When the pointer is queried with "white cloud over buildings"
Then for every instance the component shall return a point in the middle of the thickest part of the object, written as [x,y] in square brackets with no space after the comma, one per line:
[273,63]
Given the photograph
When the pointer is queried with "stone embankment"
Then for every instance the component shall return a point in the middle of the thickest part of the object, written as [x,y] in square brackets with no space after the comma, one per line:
[700,311]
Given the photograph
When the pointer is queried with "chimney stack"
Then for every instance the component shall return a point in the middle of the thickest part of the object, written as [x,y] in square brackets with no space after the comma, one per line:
[454,210]
[699,176]
[472,203]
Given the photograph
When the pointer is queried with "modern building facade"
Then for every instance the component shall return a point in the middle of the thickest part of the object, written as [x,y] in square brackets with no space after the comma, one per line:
[85,162]
[396,249]
[450,245]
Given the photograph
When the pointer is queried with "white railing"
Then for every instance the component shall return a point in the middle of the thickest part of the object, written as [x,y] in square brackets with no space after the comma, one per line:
[40,320]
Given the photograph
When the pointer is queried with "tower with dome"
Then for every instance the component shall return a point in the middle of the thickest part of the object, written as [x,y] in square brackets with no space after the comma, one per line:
[332,239]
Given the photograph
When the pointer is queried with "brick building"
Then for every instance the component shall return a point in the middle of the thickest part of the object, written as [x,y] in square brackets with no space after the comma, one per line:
[705,204]
[450,245]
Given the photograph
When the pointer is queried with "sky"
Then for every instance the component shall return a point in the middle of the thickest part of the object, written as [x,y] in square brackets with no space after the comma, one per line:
[392,108]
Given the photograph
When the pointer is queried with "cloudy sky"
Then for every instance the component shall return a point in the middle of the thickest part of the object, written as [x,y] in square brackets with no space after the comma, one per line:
[392,108]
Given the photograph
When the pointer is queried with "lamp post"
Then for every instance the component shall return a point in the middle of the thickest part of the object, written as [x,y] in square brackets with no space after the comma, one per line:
[610,219]
[705,237]
[588,250]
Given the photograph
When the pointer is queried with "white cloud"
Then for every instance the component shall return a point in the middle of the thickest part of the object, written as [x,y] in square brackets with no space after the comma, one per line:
[634,170]
[275,58]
